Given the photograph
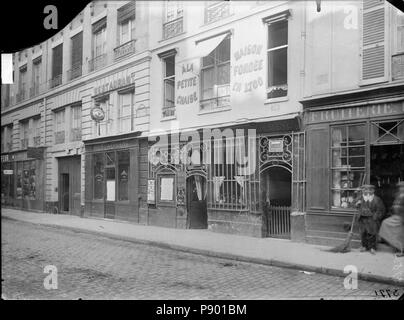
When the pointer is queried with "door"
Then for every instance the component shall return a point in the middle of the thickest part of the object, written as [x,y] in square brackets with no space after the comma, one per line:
[65,193]
[70,185]
[196,202]
[277,184]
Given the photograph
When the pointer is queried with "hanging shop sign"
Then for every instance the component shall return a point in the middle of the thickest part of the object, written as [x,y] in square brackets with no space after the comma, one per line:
[8,172]
[97,113]
[151,191]
[115,84]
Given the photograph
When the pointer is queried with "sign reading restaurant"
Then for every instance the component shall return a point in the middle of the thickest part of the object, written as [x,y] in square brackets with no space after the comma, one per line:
[115,84]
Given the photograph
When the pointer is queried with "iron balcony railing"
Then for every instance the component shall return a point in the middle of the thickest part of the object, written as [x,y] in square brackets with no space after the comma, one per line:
[97,62]
[220,100]
[124,50]
[215,12]
[56,81]
[168,112]
[74,72]
[172,28]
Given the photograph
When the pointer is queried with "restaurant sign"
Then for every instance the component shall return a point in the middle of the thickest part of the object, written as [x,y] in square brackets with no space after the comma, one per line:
[115,84]
[361,112]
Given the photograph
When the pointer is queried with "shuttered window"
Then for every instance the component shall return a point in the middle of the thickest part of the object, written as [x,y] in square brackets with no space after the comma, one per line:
[57,61]
[373,41]
[127,12]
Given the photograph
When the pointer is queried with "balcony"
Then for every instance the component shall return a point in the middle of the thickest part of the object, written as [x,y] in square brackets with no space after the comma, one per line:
[56,81]
[75,134]
[74,72]
[168,112]
[59,137]
[24,143]
[220,100]
[37,141]
[217,11]
[124,50]
[20,96]
[172,28]
[97,62]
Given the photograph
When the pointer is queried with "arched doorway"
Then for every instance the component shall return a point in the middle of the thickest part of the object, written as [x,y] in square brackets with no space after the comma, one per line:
[196,202]
[276,185]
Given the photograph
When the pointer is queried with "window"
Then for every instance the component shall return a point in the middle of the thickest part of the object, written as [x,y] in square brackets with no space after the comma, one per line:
[169,86]
[98,165]
[123,175]
[22,83]
[126,111]
[173,24]
[57,65]
[348,164]
[398,50]
[24,133]
[126,25]
[36,131]
[104,127]
[26,180]
[59,126]
[77,56]
[7,132]
[216,10]
[215,75]
[75,122]
[36,76]
[277,56]
[387,132]
[99,47]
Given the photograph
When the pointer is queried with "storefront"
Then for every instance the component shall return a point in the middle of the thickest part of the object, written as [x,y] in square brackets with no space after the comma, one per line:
[22,179]
[351,140]
[113,177]
[248,180]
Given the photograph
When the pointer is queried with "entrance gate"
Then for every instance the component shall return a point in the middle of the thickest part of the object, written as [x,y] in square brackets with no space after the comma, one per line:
[282,180]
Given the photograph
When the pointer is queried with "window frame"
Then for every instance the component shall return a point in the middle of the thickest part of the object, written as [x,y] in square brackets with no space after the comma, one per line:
[132,115]
[165,79]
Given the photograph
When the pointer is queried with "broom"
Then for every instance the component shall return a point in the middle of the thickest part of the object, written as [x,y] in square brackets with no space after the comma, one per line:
[346,245]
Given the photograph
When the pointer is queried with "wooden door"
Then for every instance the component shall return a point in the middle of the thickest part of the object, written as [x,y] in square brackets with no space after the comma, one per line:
[70,185]
[196,202]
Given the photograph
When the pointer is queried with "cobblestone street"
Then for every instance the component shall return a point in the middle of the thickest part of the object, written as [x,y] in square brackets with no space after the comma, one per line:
[95,267]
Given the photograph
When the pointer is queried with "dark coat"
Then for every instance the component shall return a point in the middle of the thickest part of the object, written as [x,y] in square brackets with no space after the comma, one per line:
[370,215]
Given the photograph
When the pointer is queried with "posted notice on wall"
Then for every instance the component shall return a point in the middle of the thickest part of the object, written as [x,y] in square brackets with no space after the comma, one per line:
[167,188]
[151,191]
[110,190]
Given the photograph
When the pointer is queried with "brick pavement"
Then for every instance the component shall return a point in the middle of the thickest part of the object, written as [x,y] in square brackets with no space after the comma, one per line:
[94,267]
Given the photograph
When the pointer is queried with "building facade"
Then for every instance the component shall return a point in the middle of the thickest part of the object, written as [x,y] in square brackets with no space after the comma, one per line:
[250,117]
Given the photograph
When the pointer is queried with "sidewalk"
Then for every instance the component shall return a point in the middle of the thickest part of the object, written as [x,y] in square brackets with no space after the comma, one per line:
[382,267]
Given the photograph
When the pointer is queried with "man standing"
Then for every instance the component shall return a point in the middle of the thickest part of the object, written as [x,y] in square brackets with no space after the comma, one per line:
[370,210]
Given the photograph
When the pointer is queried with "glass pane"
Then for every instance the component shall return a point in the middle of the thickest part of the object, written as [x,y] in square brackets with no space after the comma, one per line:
[123,174]
[355,162]
[207,83]
[98,163]
[277,34]
[169,85]
[357,151]
[170,66]
[110,156]
[223,51]
[223,74]
[277,67]
[338,134]
[356,134]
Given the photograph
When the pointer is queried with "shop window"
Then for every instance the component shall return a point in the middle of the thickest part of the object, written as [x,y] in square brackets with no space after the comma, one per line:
[127,111]
[387,132]
[169,86]
[227,184]
[215,77]
[59,126]
[277,58]
[123,175]
[348,164]
[19,177]
[98,165]
[75,122]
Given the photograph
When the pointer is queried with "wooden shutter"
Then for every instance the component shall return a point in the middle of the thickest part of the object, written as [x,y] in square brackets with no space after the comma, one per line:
[126,12]
[100,24]
[57,61]
[77,49]
[373,60]
[317,169]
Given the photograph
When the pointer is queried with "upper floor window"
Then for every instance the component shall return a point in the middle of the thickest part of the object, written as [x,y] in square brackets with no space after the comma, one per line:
[6,138]
[99,47]
[127,111]
[36,76]
[215,77]
[59,126]
[126,22]
[277,59]
[398,45]
[24,133]
[22,83]
[36,131]
[216,10]
[57,65]
[104,127]
[173,22]
[75,123]
[77,56]
[169,86]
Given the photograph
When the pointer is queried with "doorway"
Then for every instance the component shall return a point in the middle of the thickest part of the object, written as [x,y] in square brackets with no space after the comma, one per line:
[276,185]
[70,185]
[386,170]
[196,202]
[65,192]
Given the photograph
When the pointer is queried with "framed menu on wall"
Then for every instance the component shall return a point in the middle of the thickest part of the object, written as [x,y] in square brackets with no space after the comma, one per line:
[167,189]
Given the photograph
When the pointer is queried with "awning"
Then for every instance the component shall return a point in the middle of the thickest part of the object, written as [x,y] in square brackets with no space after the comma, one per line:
[205,47]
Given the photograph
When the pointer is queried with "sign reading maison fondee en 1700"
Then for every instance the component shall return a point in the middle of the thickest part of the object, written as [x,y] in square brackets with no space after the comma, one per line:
[109,85]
